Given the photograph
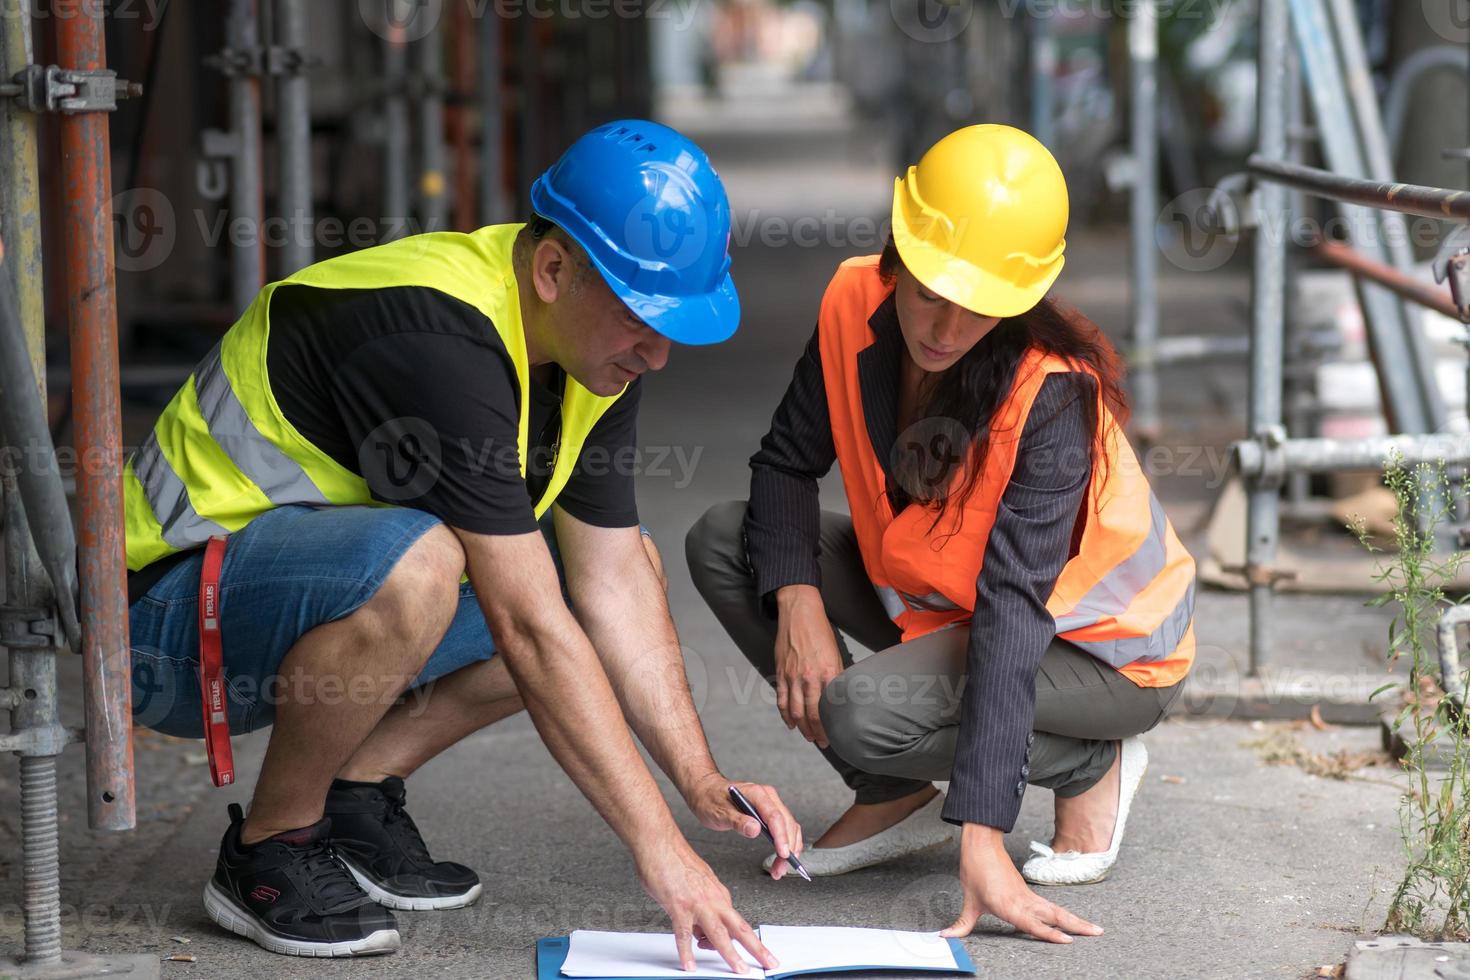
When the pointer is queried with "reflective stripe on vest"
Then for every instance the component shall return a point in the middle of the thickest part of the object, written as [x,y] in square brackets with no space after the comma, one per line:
[1113,595]
[1126,597]
[222,453]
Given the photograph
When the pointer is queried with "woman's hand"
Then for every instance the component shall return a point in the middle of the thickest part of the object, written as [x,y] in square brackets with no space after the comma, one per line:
[992,884]
[806,659]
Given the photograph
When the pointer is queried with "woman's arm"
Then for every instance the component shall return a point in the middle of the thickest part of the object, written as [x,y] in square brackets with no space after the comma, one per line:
[1029,544]
[782,539]
[783,521]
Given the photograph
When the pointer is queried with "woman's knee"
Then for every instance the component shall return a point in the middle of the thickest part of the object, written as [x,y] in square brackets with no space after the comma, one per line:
[716,540]
[849,724]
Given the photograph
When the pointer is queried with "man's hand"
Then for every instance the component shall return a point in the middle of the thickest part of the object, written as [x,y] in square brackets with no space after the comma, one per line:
[806,659]
[992,884]
[699,907]
[709,800]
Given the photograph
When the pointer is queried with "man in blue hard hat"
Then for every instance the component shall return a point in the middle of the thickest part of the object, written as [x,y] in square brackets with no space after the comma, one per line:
[376,476]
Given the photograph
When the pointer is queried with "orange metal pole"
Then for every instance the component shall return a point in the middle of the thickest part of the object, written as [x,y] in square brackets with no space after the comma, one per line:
[86,178]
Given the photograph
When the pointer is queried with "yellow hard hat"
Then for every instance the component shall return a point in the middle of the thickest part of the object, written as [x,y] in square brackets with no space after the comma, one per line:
[982,219]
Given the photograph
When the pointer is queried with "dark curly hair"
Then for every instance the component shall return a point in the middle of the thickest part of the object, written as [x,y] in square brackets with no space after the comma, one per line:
[972,389]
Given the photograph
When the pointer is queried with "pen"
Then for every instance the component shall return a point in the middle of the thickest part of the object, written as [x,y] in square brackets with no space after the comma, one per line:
[738,798]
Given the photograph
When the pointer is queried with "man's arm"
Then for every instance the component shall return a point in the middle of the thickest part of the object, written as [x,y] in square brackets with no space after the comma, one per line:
[571,702]
[620,603]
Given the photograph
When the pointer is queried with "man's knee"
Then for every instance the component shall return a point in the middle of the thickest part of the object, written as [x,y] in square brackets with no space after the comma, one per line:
[716,539]
[417,601]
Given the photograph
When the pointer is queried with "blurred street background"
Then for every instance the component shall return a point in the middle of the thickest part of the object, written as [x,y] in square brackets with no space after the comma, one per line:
[1265,841]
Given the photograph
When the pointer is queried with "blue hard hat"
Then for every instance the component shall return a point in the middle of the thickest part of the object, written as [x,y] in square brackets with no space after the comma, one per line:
[646,205]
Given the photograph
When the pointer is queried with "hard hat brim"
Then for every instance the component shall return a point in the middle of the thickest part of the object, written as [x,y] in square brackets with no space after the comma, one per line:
[962,283]
[698,319]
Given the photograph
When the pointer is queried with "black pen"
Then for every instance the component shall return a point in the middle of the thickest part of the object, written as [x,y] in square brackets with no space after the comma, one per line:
[738,798]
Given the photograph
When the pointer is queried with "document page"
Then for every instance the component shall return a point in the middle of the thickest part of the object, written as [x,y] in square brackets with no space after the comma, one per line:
[801,948]
[643,954]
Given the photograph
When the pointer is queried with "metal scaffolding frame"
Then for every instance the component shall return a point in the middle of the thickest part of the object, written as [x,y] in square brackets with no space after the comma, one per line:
[1359,182]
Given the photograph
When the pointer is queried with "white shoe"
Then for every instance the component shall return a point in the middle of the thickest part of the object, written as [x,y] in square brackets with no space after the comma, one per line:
[919,831]
[1073,867]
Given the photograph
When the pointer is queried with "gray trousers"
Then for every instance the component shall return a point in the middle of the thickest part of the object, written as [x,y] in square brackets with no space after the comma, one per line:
[893,718]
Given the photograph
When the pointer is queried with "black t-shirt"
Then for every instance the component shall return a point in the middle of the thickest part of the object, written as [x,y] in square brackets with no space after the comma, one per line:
[414,391]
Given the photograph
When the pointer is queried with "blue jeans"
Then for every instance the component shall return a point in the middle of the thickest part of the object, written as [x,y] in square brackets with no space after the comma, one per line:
[285,573]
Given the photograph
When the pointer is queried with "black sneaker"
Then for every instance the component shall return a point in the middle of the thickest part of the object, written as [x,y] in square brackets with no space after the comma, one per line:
[290,894]
[377,840]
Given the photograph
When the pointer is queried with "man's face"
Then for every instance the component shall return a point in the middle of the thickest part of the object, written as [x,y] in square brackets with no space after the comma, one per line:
[597,339]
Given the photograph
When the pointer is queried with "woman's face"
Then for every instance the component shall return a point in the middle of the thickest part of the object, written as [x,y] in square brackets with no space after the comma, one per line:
[937,332]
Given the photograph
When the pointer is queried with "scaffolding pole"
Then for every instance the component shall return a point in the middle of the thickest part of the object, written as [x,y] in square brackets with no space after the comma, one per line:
[492,165]
[86,176]
[1268,314]
[1143,46]
[293,131]
[433,189]
[396,141]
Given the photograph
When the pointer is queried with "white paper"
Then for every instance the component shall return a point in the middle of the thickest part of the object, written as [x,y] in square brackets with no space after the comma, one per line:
[643,954]
[833,948]
[842,948]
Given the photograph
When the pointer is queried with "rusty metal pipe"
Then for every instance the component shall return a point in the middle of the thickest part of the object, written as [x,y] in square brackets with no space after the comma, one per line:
[1415,290]
[1430,202]
[86,181]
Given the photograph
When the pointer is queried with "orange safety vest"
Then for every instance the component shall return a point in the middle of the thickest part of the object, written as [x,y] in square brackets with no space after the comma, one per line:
[1126,596]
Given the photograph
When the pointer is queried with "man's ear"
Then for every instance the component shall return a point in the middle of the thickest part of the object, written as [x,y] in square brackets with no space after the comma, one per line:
[551,270]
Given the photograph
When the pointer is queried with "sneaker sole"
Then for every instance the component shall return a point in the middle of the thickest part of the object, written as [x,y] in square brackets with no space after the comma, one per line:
[229,915]
[410,903]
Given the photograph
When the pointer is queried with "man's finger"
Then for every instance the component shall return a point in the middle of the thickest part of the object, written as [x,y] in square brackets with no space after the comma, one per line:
[719,936]
[769,807]
[778,870]
[741,931]
[683,942]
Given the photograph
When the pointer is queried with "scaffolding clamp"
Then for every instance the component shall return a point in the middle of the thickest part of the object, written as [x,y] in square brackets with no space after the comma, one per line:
[1452,262]
[27,628]
[1262,460]
[276,59]
[51,88]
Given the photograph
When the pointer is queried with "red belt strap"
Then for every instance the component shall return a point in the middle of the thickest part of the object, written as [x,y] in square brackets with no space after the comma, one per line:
[212,667]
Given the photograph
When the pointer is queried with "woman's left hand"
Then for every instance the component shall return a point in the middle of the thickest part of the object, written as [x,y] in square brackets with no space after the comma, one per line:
[993,884]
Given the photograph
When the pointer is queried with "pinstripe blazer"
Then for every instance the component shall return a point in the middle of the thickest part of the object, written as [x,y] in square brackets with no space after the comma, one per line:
[1030,542]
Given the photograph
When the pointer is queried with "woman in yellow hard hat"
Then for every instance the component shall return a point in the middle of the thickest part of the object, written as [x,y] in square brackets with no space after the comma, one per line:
[1031,606]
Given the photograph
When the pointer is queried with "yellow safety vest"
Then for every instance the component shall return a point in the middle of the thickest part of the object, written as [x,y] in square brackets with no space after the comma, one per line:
[222,453]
